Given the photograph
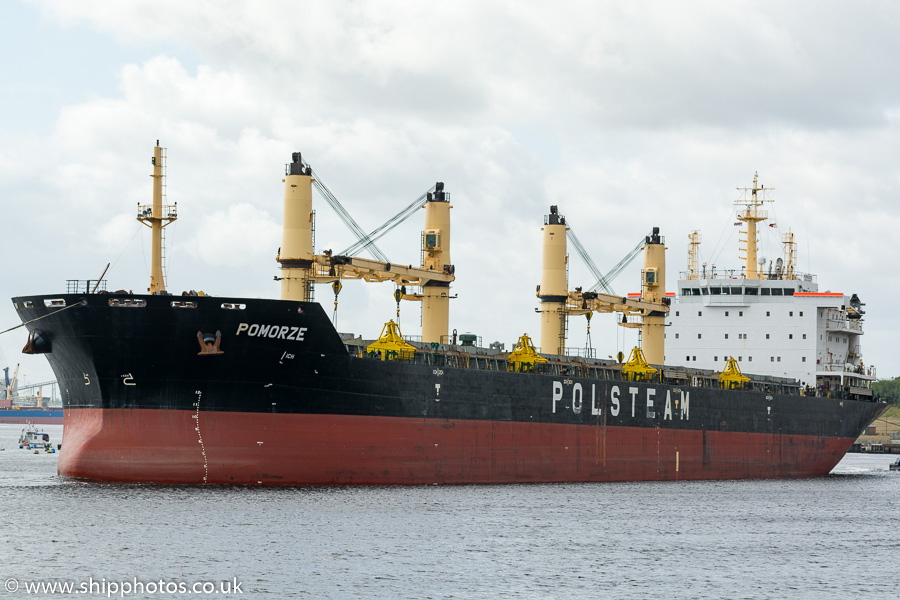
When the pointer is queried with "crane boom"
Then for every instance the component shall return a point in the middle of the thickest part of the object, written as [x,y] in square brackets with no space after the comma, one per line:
[603,282]
[584,302]
[388,225]
[620,266]
[588,261]
[330,268]
[349,221]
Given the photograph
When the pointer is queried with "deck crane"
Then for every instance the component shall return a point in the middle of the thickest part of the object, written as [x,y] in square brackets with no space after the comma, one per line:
[301,267]
[349,221]
[388,225]
[557,302]
[11,383]
[367,241]
[621,265]
[604,281]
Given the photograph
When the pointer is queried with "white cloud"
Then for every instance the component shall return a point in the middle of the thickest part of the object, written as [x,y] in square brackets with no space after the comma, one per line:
[235,237]
[625,116]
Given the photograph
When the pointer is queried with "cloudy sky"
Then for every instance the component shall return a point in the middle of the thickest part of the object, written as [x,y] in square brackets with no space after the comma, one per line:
[625,114]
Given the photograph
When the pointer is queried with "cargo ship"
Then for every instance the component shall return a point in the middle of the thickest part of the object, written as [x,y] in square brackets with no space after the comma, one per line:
[192,388]
[19,409]
[41,416]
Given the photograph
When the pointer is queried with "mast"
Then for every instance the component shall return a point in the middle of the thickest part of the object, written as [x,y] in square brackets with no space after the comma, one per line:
[436,257]
[157,216]
[296,253]
[653,323]
[694,255]
[790,255]
[751,215]
[554,288]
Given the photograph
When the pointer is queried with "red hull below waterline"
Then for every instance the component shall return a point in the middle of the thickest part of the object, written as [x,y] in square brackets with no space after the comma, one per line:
[173,446]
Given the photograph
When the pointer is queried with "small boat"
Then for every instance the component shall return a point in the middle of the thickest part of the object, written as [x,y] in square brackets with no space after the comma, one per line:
[32,439]
[895,466]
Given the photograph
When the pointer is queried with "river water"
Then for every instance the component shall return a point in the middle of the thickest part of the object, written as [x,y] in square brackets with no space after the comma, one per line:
[831,537]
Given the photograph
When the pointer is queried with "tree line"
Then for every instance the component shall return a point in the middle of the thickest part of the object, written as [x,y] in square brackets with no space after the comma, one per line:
[889,389]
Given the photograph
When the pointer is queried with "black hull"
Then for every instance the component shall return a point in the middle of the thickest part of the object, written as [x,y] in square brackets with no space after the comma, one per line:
[284,358]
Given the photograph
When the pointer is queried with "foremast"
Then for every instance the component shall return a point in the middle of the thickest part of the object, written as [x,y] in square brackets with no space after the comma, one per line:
[157,216]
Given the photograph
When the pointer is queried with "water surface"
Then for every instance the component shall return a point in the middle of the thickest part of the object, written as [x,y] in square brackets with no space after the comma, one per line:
[830,537]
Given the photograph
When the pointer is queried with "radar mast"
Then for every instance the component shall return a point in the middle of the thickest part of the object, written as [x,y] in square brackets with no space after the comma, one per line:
[752,199]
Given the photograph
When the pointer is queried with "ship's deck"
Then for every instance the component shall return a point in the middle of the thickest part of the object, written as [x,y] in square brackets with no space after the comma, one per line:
[488,359]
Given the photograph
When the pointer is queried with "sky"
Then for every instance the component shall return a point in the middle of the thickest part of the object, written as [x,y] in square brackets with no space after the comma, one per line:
[627,115]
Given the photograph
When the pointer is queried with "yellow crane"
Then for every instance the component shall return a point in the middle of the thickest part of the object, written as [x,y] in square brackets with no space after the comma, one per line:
[11,383]
[557,302]
[301,267]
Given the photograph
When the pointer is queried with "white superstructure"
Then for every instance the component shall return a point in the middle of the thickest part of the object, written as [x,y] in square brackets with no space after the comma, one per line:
[771,319]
